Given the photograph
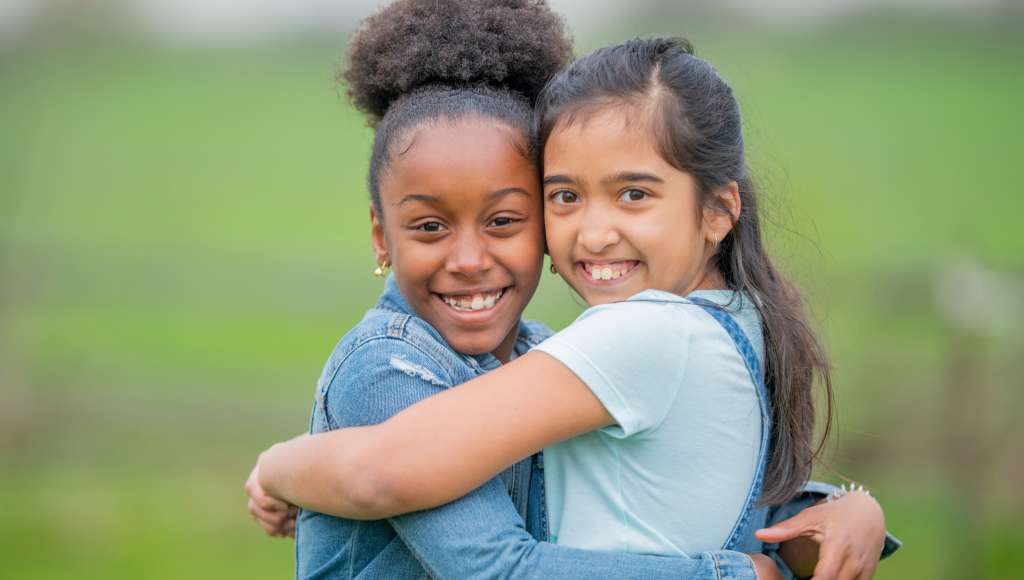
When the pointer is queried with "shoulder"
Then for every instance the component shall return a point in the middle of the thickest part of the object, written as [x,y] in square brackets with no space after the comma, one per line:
[533,332]
[382,334]
[647,329]
[385,363]
[643,313]
[651,331]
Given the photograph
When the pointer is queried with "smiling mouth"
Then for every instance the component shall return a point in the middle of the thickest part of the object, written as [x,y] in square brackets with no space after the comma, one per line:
[476,302]
[607,271]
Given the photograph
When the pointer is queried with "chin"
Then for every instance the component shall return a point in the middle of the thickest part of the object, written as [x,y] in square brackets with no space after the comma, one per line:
[474,345]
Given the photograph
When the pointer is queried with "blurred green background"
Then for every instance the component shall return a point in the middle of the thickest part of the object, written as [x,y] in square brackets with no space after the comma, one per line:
[184,237]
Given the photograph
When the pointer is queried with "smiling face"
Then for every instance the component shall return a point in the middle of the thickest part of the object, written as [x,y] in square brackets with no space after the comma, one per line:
[619,218]
[462,227]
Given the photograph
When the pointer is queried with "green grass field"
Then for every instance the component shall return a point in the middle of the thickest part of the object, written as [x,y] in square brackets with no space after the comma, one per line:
[183,238]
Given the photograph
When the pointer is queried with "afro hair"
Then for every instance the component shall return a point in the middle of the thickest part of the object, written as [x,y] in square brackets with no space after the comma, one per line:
[507,44]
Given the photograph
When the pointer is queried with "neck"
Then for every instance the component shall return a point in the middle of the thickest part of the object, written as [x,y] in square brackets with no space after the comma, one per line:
[503,351]
[711,279]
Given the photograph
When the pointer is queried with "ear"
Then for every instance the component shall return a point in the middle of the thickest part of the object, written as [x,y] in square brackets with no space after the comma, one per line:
[380,244]
[721,213]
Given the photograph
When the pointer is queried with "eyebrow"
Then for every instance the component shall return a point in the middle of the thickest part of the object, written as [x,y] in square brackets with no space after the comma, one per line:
[559,179]
[424,197]
[433,199]
[506,191]
[632,176]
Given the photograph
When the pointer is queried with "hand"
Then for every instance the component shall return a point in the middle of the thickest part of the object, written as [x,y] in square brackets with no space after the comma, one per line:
[765,567]
[849,533]
[276,517]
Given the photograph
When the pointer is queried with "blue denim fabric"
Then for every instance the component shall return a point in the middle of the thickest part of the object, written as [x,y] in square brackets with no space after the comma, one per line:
[752,517]
[389,361]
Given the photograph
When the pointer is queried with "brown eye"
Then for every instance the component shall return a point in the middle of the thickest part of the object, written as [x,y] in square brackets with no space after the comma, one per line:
[431,227]
[633,195]
[502,221]
[564,197]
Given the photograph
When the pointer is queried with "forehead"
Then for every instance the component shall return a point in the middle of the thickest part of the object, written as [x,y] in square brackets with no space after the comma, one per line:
[606,139]
[468,156]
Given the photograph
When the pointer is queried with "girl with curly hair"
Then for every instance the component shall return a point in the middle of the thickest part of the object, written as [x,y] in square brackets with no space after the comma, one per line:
[657,418]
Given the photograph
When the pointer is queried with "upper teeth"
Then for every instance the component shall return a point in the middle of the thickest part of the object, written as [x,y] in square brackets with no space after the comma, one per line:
[473,302]
[608,271]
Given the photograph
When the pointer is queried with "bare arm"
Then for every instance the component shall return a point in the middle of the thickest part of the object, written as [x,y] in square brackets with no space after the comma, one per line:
[438,449]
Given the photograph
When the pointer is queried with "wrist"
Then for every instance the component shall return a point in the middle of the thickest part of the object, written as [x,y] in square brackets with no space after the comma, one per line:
[268,477]
[844,490]
[764,567]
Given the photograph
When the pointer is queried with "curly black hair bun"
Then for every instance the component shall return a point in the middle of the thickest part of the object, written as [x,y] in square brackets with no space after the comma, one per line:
[513,44]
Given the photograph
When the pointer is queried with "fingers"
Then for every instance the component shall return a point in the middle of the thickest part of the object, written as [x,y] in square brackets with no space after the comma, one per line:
[869,568]
[289,529]
[276,517]
[830,561]
[852,569]
[778,533]
[804,523]
[271,504]
[278,523]
[255,491]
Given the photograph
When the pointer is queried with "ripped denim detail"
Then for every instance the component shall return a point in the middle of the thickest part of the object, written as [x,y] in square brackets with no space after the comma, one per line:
[415,370]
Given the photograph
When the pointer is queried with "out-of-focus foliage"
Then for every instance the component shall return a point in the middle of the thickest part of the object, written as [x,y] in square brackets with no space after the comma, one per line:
[183,237]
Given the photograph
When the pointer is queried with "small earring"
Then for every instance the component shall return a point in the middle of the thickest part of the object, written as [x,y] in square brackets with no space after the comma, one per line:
[553,270]
[714,240]
[381,269]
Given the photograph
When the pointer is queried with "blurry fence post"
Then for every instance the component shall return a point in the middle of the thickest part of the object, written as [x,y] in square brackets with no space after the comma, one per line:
[979,306]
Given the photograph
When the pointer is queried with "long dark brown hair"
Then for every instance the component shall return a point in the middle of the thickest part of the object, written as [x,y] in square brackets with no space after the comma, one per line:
[697,125]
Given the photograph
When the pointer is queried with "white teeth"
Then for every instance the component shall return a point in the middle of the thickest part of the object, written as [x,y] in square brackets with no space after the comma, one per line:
[474,302]
[611,272]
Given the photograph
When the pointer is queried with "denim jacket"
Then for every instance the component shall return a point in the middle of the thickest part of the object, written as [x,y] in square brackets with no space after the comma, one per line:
[391,360]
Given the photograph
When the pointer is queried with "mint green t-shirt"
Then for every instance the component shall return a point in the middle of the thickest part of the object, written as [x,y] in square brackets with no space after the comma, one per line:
[671,476]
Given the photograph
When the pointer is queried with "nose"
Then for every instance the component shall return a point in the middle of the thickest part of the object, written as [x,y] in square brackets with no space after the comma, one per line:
[598,230]
[470,255]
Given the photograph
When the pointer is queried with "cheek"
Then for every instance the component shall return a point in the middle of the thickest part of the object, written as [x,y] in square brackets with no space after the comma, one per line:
[559,232]
[657,237]
[525,253]
[676,244]
[414,264]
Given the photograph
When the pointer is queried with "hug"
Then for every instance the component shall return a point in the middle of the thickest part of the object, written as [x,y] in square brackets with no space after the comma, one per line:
[659,434]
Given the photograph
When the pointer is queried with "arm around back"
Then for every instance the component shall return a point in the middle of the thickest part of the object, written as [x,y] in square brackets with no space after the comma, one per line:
[479,535]
[374,380]
[437,450]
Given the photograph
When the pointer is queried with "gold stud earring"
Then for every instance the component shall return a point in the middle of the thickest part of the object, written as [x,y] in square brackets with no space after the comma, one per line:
[552,268]
[381,269]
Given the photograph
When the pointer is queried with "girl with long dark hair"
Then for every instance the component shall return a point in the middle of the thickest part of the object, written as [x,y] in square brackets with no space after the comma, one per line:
[674,411]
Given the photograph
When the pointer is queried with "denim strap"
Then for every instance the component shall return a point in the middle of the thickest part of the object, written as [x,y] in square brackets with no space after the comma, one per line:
[746,349]
[739,337]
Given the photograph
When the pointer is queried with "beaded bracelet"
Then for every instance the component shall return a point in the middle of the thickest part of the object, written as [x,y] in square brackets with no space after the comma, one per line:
[843,490]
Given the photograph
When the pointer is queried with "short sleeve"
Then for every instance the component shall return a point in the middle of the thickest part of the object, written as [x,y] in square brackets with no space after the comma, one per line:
[632,356]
